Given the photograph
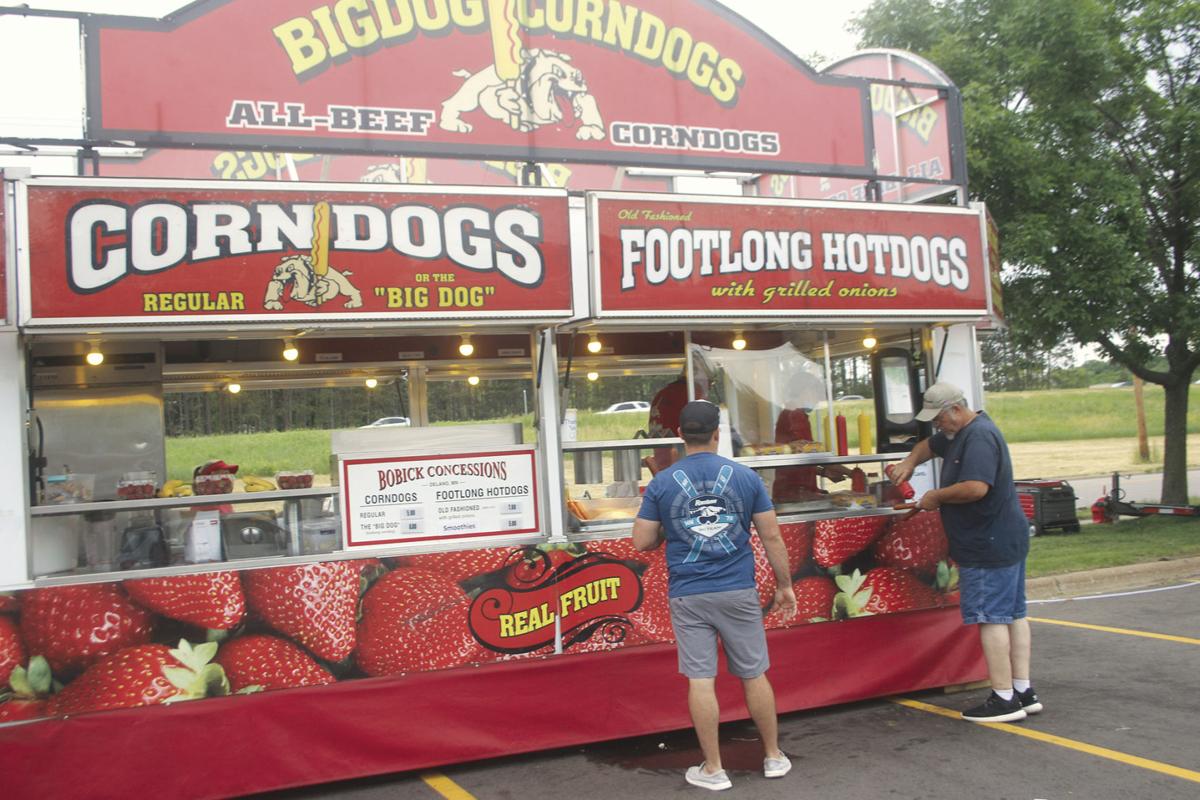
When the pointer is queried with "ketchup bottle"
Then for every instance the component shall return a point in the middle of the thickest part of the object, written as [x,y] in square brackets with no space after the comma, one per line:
[858,480]
[904,487]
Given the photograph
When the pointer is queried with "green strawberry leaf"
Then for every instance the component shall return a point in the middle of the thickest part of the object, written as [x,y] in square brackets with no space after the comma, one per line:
[181,678]
[216,635]
[39,675]
[19,681]
[216,684]
[255,689]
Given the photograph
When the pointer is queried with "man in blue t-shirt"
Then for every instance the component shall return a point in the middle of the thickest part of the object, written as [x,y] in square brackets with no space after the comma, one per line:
[703,506]
[989,539]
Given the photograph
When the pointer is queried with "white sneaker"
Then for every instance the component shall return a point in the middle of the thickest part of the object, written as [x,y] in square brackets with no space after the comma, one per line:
[696,776]
[776,767]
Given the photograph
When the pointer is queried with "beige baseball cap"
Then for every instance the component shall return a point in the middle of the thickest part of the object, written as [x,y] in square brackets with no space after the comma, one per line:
[938,398]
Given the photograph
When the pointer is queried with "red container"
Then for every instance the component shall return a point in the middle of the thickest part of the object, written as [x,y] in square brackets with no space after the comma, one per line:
[843,445]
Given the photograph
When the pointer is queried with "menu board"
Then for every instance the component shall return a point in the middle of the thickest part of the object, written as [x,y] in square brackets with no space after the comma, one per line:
[389,500]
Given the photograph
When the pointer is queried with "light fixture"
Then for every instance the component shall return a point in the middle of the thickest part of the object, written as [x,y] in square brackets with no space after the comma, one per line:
[594,345]
[371,383]
[869,342]
[591,376]
[233,387]
[473,380]
[290,351]
[94,356]
[465,348]
[739,341]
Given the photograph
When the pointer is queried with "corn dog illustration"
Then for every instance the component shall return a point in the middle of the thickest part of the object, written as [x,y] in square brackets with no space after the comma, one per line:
[320,238]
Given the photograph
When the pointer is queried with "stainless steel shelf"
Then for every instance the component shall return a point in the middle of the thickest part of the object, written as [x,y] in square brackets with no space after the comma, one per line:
[815,459]
[622,444]
[176,502]
[607,528]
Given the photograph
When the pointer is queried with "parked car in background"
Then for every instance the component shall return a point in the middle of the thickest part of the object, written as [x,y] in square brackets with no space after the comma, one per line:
[851,397]
[627,407]
[387,422]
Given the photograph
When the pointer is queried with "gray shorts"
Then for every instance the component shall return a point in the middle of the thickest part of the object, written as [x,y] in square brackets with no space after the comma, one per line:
[734,616]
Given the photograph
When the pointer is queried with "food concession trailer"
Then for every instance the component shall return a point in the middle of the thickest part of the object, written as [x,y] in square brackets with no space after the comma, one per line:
[401,616]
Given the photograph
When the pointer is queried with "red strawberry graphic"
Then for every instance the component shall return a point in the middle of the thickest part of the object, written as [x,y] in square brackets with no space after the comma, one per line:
[764,575]
[28,688]
[814,602]
[12,649]
[263,663]
[210,600]
[798,539]
[76,626]
[535,563]
[605,638]
[413,619]
[883,591]
[652,619]
[836,540]
[148,674]
[8,602]
[460,565]
[314,604]
[917,543]
[619,549]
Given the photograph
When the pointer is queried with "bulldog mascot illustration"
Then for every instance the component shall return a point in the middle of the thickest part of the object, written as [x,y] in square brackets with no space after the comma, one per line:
[545,83]
[309,279]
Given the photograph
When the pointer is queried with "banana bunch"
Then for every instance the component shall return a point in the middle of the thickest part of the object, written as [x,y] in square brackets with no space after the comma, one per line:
[253,483]
[175,488]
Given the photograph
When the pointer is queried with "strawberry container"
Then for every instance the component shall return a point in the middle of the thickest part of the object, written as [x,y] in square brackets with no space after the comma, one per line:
[216,483]
[294,479]
[137,486]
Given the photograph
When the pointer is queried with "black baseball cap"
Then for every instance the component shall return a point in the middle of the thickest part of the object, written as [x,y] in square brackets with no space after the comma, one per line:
[699,416]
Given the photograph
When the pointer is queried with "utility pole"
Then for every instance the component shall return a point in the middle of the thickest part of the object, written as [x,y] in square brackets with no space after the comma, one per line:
[1140,409]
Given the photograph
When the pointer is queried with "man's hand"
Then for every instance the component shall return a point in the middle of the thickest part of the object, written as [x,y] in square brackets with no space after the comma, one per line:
[929,501]
[785,602]
[900,472]
[835,472]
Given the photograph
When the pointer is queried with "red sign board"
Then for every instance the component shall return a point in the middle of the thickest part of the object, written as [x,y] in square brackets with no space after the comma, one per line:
[120,251]
[917,130]
[705,257]
[504,79]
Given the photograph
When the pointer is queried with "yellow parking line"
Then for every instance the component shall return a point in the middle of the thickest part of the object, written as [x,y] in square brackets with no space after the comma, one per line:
[1070,744]
[446,787]
[1124,631]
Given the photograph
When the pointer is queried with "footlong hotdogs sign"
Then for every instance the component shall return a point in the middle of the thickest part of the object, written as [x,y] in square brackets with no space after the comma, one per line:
[708,257]
[563,80]
[182,252]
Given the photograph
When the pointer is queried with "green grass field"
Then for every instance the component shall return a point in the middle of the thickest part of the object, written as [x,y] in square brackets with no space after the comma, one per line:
[1023,416]
[1130,541]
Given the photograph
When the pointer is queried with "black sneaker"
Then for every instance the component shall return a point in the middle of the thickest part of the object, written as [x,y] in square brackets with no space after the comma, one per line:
[1029,701]
[996,709]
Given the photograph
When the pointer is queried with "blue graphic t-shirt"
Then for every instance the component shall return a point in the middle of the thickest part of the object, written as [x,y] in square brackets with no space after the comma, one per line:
[705,504]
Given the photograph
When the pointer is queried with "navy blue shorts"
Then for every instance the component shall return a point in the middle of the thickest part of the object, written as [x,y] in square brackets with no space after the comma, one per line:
[992,594]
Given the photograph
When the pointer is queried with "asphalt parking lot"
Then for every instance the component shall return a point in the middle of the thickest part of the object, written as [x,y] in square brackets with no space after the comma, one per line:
[1117,674]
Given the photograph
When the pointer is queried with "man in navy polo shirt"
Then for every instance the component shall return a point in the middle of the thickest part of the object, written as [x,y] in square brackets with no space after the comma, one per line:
[989,539]
[703,506]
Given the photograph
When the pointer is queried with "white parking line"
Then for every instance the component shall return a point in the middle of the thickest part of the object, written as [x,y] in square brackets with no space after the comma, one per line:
[1188,585]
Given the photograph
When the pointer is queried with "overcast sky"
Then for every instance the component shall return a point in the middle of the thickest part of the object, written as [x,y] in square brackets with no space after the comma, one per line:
[42,92]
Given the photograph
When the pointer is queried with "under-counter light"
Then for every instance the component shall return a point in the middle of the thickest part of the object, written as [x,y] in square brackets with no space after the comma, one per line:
[233,388]
[290,351]
[465,348]
[591,376]
[371,383]
[473,380]
[739,341]
[94,356]
[869,342]
[594,345]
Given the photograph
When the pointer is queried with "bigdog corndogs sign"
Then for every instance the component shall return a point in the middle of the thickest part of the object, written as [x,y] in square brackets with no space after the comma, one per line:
[706,257]
[184,252]
[548,80]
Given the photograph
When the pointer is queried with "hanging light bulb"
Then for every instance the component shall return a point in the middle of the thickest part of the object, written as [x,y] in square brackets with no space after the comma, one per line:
[465,348]
[869,342]
[371,383]
[233,387]
[473,380]
[290,351]
[591,376]
[739,341]
[94,356]
[594,346]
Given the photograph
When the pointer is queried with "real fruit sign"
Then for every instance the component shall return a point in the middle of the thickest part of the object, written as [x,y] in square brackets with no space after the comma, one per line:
[123,251]
[752,258]
[545,80]
[392,500]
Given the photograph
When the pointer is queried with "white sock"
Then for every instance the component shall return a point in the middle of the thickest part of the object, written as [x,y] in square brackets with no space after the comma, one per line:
[1021,685]
[1005,694]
